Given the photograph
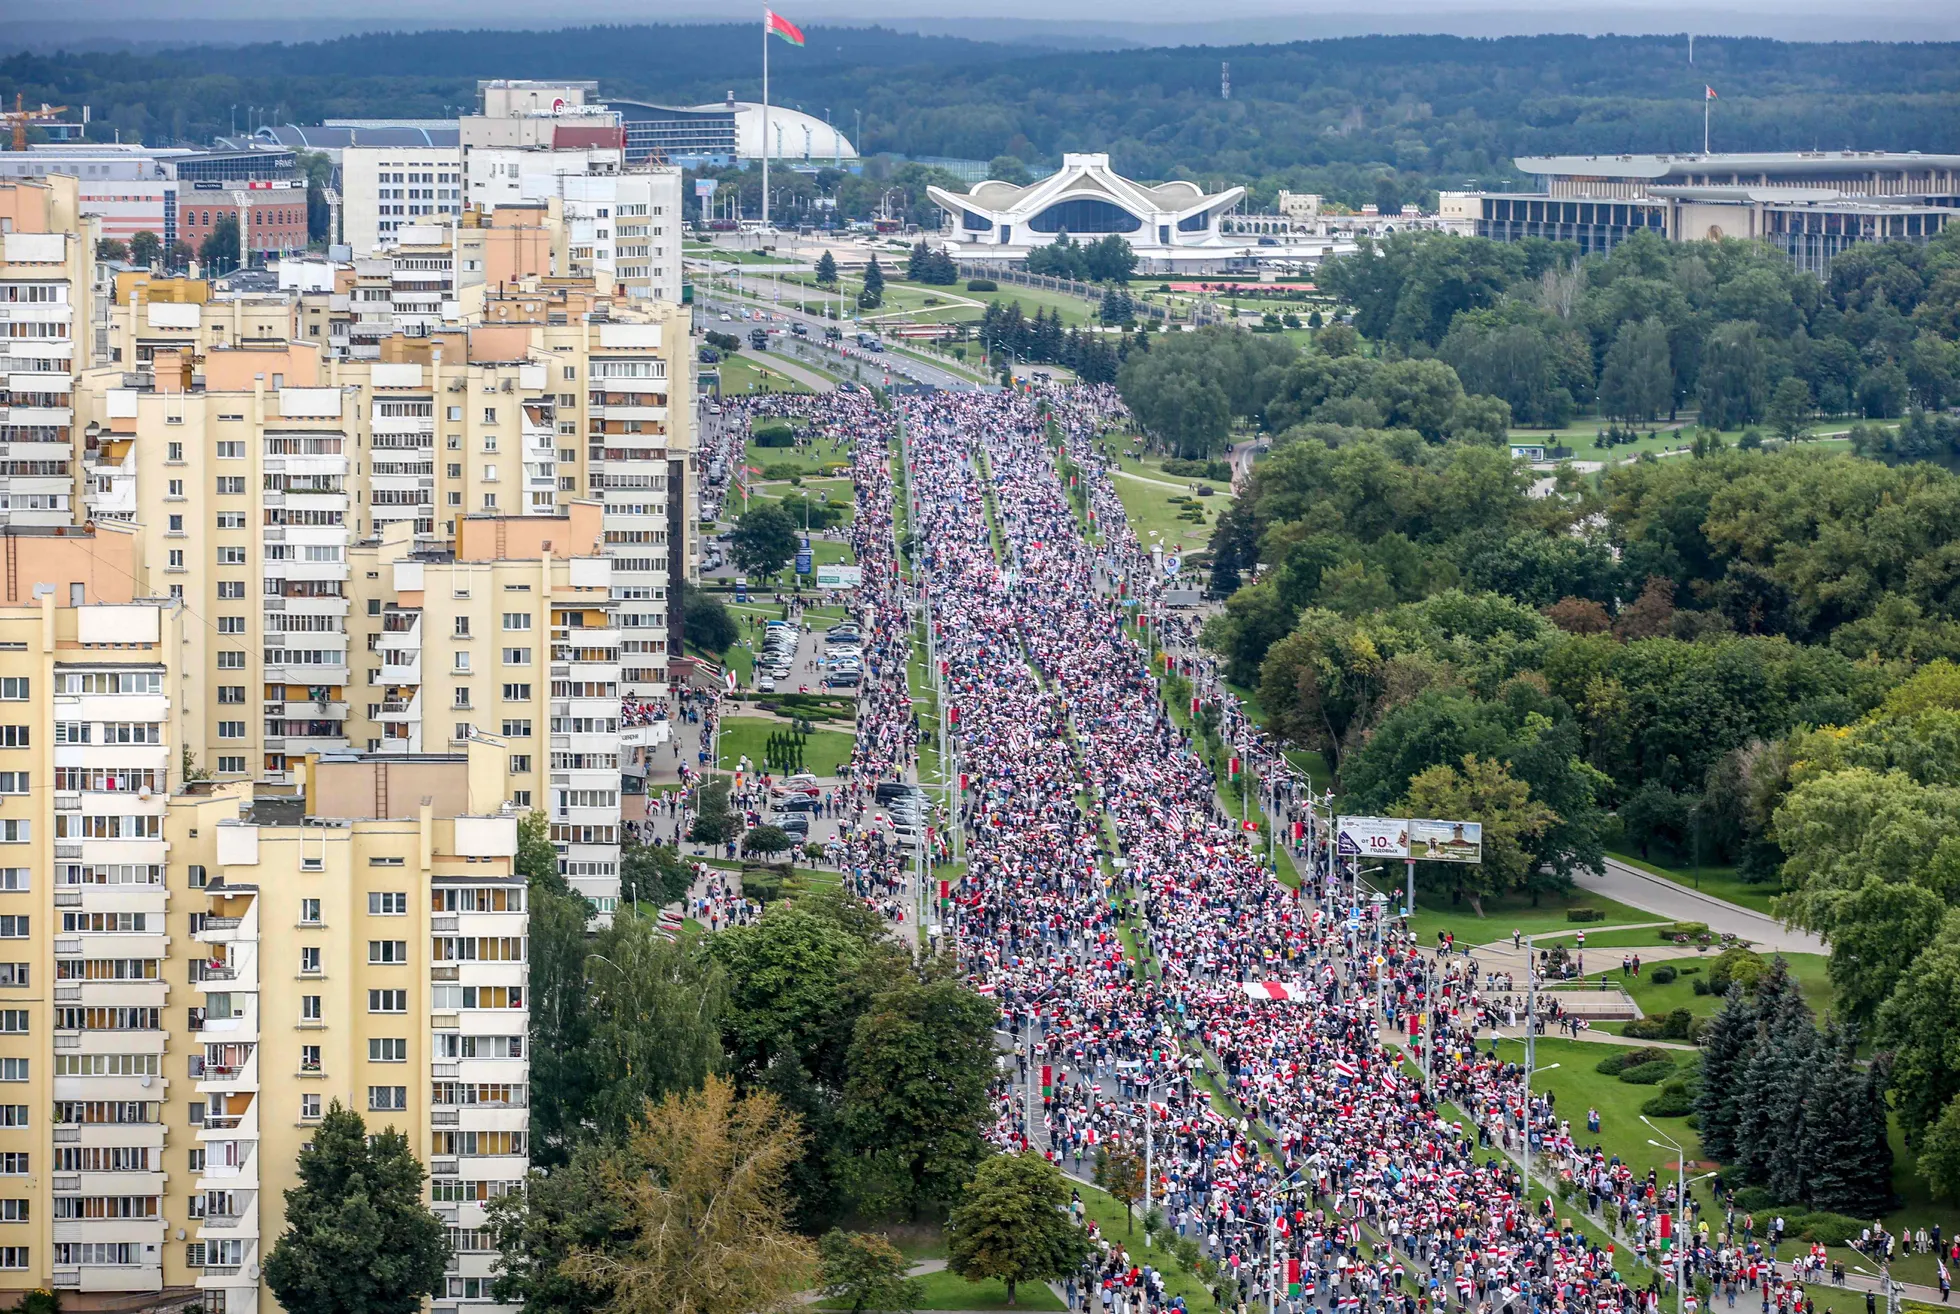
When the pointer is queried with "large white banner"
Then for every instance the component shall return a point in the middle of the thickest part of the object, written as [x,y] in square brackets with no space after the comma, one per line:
[1371,837]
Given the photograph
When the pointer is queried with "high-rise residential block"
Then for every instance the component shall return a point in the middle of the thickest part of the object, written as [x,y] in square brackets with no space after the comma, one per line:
[47,322]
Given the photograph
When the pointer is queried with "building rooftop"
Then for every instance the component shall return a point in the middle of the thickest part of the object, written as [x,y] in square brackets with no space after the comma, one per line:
[1831,163]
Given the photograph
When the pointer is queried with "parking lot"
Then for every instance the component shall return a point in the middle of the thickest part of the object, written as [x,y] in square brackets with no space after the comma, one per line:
[805,662]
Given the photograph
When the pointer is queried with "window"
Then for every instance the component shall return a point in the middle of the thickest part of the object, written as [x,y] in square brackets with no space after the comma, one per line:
[231,556]
[13,1069]
[15,832]
[13,1115]
[231,588]
[13,782]
[309,1008]
[15,736]
[388,903]
[14,1256]
[387,951]
[176,525]
[13,928]
[513,693]
[231,484]
[463,626]
[231,766]
[309,1058]
[14,1211]
[520,798]
[489,415]
[175,488]
[13,974]
[462,661]
[233,661]
[387,1001]
[13,1021]
[309,912]
[460,732]
[14,1165]
[13,689]
[231,729]
[176,558]
[520,763]
[309,960]
[387,1049]
[382,1098]
[520,729]
[231,520]
[462,696]
[15,880]
[231,624]
[231,451]
[309,1108]
[517,656]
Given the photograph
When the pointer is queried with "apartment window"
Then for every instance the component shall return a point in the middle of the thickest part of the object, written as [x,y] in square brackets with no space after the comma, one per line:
[517,729]
[490,471]
[13,974]
[462,696]
[173,451]
[520,763]
[231,765]
[455,413]
[13,928]
[489,501]
[231,451]
[176,558]
[388,903]
[16,832]
[460,732]
[232,520]
[309,960]
[309,1058]
[232,661]
[231,624]
[176,524]
[13,1069]
[452,498]
[14,1211]
[14,1165]
[13,1257]
[231,588]
[198,877]
[13,1021]
[462,660]
[462,630]
[16,736]
[13,689]
[489,415]
[387,1001]
[231,484]
[309,1108]
[517,656]
[387,951]
[196,1162]
[13,782]
[520,798]
[231,729]
[309,1008]
[231,556]
[382,1099]
[517,693]
[387,1049]
[13,1115]
[309,912]
[175,488]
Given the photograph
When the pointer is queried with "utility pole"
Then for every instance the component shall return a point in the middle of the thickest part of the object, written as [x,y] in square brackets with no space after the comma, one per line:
[1530,1054]
[1149,1144]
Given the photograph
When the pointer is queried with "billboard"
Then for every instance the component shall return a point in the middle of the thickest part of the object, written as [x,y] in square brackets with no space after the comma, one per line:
[1372,837]
[839,577]
[1446,841]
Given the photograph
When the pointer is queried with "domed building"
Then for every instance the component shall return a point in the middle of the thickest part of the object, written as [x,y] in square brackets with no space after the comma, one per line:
[1165,223]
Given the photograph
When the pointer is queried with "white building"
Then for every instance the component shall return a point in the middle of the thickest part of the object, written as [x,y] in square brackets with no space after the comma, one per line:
[1165,223]
[793,135]
[387,188]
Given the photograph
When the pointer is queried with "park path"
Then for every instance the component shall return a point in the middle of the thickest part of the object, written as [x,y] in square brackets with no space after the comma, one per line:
[1657,894]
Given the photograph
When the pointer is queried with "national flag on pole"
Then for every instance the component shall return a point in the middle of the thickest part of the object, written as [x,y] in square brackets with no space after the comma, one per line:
[730,675]
[1047,1080]
[1708,92]
[1233,769]
[782,27]
[1667,1232]
[1293,1276]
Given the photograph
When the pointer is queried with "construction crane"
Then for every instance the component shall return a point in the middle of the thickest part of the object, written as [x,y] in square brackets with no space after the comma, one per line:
[20,118]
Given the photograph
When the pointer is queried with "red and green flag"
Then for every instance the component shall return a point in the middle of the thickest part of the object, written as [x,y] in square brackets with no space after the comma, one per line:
[782,27]
[1047,1080]
[1293,1277]
[1667,1232]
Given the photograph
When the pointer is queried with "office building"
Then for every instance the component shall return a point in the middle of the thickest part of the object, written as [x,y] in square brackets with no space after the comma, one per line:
[384,189]
[1810,205]
[271,216]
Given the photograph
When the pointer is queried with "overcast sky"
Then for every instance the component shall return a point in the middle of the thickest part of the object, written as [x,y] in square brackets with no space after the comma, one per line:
[1147,21]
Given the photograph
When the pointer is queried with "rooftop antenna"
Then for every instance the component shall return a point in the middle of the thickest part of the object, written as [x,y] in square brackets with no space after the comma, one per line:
[1225,79]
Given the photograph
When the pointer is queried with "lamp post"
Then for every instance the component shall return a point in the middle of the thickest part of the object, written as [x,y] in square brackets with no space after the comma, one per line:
[1680,1205]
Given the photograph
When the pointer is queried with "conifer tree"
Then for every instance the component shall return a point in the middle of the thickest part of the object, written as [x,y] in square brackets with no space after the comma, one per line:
[1726,1048]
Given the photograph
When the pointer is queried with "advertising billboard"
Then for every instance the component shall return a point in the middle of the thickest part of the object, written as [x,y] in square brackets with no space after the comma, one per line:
[1371,837]
[1446,841]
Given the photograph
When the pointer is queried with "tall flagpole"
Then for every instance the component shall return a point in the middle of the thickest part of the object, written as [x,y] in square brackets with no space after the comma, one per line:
[765,119]
[1704,139]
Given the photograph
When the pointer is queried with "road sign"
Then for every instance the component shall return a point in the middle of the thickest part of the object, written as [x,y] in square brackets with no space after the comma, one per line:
[1372,837]
[839,577]
[804,557]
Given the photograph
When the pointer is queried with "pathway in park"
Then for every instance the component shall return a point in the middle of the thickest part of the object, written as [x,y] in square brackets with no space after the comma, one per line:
[1657,894]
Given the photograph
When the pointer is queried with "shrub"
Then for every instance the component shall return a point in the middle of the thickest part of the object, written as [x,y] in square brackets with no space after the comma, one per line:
[982,285]
[1677,1025]
[1584,915]
[1647,1074]
[1754,1200]
[1672,1102]
[1689,929]
[1643,1028]
[1826,1228]
[1700,986]
[774,433]
[1662,975]
[782,470]
[1741,966]
[1614,1064]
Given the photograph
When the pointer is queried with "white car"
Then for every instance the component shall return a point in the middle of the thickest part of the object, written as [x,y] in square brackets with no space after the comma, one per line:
[726,317]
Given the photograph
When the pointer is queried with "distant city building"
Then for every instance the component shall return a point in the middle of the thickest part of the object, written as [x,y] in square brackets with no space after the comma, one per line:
[1811,205]
[384,189]
[134,189]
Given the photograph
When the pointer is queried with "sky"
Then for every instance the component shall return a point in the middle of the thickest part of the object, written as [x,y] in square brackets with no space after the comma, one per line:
[1135,22]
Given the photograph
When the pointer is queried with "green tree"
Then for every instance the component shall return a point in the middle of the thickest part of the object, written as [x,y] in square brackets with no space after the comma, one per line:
[764,539]
[1920,1024]
[765,839]
[920,1062]
[1482,791]
[703,1182]
[655,1006]
[1637,380]
[867,1271]
[220,252]
[827,269]
[1734,377]
[1010,1224]
[562,1078]
[1789,409]
[358,1238]
[873,294]
[1009,169]
[706,622]
[1847,1161]
[652,873]
[110,248]
[180,255]
[1725,1048]
[537,857]
[145,248]
[1119,1171]
[714,821]
[537,1229]
[1938,1160]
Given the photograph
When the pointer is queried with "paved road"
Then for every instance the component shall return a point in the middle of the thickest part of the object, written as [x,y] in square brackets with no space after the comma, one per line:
[710,303]
[1637,889]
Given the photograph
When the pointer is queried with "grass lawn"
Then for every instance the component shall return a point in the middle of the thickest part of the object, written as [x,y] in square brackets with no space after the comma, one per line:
[1504,914]
[745,736]
[744,374]
[1152,467]
[1108,1213]
[948,1290]
[1808,970]
[809,462]
[1578,1085]
[1721,882]
[1157,519]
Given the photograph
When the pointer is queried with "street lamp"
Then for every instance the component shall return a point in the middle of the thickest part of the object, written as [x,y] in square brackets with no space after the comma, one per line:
[1680,1206]
[1893,1290]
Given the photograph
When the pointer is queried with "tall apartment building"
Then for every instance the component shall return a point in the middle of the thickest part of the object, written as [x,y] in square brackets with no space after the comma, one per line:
[365,941]
[47,318]
[387,188]
[509,640]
